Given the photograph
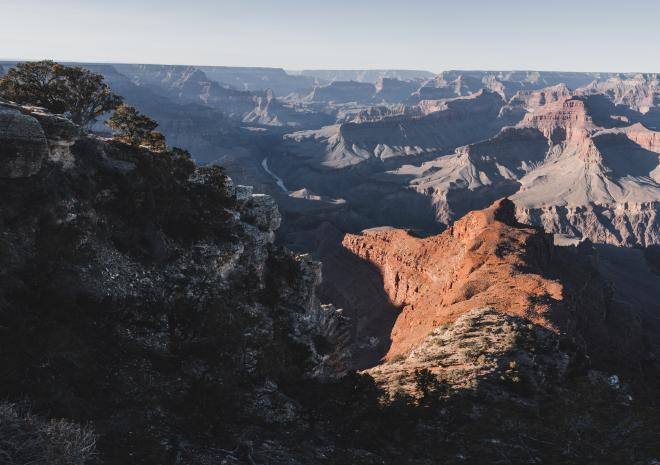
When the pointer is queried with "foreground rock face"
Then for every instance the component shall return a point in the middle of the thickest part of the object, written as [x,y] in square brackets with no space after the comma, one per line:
[488,259]
[139,291]
[25,146]
[29,137]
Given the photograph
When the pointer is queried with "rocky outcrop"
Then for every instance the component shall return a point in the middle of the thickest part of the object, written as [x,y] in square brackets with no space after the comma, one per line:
[562,120]
[642,136]
[376,113]
[395,90]
[263,112]
[478,174]
[139,290]
[535,99]
[622,224]
[493,320]
[485,351]
[29,137]
[640,92]
[488,259]
[24,145]
[269,111]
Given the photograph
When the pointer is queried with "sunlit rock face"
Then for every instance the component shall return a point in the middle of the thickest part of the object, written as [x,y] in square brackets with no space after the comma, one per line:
[489,259]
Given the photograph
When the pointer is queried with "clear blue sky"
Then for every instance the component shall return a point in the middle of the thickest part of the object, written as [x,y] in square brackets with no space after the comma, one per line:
[579,35]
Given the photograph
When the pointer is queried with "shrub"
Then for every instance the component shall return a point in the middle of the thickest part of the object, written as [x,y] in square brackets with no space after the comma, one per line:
[28,439]
[132,127]
[430,388]
[155,141]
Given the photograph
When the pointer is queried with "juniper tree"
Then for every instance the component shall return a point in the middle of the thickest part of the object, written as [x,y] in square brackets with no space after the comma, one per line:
[132,127]
[71,90]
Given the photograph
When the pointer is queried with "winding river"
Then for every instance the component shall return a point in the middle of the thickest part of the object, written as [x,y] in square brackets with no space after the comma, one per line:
[278,180]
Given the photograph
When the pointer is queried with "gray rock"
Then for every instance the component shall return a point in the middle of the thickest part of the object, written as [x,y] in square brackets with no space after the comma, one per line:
[23,144]
[261,210]
[56,127]
[243,193]
[61,134]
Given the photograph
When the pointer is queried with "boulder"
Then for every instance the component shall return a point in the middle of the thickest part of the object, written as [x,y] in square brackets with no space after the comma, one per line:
[61,134]
[261,210]
[23,144]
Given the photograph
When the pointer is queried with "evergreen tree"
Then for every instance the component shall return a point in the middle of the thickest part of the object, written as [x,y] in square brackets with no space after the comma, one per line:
[132,127]
[74,91]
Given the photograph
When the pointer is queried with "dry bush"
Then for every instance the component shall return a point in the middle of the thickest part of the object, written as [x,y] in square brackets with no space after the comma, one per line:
[28,439]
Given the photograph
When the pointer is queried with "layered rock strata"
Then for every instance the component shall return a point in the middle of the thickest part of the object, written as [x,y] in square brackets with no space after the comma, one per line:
[489,260]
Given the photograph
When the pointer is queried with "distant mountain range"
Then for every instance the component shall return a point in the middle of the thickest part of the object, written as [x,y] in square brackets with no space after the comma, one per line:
[578,152]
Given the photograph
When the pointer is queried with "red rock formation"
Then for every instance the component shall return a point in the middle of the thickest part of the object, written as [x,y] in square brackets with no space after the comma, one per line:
[486,259]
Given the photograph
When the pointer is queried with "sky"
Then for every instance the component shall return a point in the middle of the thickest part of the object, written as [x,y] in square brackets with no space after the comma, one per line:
[434,35]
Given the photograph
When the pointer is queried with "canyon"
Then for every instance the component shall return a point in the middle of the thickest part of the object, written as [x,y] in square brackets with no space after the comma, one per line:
[398,154]
[376,266]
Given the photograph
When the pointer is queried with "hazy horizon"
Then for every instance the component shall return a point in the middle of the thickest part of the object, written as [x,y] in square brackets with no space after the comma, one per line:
[360,35]
[300,70]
